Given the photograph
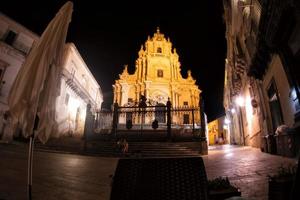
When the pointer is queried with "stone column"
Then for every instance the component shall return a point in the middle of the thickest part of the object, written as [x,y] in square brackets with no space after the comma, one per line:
[173,98]
[124,94]
[136,98]
[147,89]
[115,94]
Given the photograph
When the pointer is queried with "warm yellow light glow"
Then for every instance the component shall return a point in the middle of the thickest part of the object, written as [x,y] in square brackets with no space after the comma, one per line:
[228,155]
[83,114]
[249,112]
[240,101]
[73,106]
[73,162]
[226,121]
[157,67]
[232,110]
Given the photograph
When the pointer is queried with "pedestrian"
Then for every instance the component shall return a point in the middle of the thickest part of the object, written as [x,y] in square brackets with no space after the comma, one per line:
[119,145]
[124,146]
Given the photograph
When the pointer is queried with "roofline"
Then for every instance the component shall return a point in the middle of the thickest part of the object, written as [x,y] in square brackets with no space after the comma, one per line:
[72,45]
[25,28]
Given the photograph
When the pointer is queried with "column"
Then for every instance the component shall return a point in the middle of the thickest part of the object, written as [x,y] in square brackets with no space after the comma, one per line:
[115,94]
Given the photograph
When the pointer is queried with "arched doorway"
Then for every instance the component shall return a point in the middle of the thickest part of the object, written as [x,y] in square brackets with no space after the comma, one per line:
[160,113]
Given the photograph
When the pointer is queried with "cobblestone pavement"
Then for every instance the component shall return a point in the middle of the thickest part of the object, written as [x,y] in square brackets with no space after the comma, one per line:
[55,176]
[66,176]
[246,167]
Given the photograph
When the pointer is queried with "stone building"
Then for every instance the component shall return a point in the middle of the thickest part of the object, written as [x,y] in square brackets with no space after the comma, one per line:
[157,76]
[261,89]
[218,132]
[78,86]
[16,42]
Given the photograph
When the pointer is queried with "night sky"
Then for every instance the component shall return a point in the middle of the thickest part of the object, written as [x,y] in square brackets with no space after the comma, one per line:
[109,35]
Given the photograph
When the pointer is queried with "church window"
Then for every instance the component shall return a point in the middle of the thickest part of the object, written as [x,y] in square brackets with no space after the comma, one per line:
[159,50]
[160,73]
[185,103]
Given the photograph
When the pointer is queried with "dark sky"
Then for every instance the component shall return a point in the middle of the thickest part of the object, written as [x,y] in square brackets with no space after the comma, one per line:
[109,35]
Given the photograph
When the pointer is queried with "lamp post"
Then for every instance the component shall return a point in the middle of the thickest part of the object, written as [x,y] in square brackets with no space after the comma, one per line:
[240,102]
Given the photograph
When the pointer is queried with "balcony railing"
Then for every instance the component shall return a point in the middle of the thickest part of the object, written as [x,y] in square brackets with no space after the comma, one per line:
[18,47]
[77,87]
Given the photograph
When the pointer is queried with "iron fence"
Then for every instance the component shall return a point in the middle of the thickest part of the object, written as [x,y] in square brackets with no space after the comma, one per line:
[162,121]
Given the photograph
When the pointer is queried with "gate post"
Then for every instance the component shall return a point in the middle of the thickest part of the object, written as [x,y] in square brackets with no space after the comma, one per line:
[88,125]
[115,119]
[204,147]
[169,118]
[193,120]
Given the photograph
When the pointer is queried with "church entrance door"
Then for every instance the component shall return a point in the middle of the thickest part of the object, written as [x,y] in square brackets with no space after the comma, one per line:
[160,113]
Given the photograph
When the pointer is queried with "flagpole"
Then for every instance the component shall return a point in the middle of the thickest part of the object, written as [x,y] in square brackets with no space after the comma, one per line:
[30,158]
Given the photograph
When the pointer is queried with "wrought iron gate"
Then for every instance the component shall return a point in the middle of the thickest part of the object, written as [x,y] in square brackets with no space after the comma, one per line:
[143,121]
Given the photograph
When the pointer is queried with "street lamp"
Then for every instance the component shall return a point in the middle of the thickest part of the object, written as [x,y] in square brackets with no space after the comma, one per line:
[240,101]
[226,121]
[232,110]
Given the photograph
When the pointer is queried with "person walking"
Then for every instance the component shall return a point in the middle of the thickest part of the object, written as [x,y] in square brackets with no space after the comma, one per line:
[124,146]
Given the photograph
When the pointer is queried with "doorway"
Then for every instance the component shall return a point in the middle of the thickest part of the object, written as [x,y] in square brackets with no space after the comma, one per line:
[160,113]
[275,108]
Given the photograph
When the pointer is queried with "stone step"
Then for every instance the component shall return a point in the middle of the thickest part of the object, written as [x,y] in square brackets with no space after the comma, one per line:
[115,154]
[141,149]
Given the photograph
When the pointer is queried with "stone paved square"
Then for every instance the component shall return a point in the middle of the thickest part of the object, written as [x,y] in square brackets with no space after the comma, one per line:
[70,176]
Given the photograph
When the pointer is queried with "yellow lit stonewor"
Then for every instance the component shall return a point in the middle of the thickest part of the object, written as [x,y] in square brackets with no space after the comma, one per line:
[157,76]
[213,131]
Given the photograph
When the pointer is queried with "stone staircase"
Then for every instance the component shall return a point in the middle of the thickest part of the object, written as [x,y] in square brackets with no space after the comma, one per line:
[108,148]
[149,149]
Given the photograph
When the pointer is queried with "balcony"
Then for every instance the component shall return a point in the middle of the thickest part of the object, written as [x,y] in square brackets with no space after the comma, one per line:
[76,86]
[17,47]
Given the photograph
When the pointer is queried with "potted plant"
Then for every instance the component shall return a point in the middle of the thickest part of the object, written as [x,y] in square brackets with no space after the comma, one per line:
[220,188]
[281,183]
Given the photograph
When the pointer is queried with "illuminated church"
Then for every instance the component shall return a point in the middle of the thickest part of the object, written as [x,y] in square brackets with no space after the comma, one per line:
[157,76]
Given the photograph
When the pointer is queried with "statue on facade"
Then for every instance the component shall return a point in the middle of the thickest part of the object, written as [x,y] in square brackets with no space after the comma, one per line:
[142,102]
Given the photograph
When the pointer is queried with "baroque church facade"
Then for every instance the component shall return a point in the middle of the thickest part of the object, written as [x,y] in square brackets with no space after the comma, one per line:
[157,77]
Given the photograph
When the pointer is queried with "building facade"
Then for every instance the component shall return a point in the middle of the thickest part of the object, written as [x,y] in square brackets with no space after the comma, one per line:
[261,89]
[15,43]
[218,132]
[78,86]
[157,77]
